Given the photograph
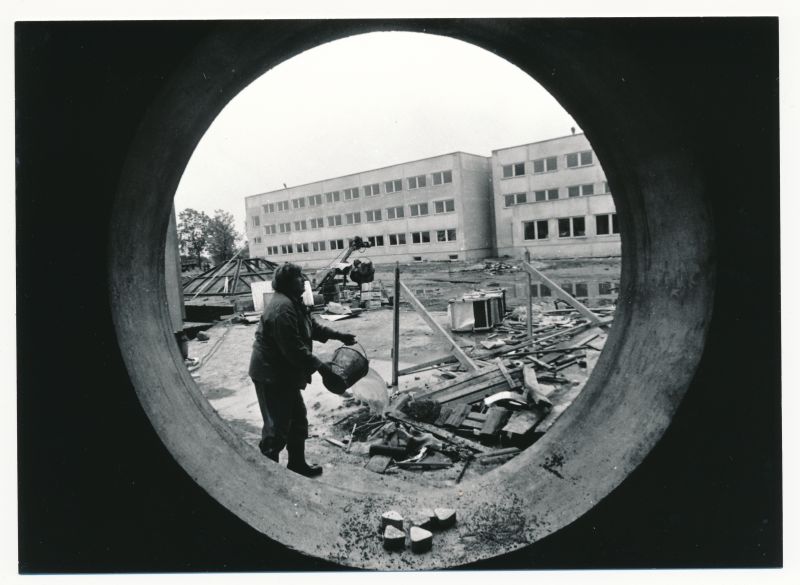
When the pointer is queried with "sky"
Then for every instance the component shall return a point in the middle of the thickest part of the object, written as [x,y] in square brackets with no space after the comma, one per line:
[361,103]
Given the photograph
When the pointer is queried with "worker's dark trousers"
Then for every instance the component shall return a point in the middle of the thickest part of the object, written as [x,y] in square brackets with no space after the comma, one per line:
[285,422]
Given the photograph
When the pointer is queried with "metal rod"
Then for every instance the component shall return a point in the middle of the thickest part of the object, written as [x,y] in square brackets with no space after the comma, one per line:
[529,318]
[396,331]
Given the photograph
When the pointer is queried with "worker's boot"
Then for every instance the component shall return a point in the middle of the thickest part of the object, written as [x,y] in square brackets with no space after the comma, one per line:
[297,460]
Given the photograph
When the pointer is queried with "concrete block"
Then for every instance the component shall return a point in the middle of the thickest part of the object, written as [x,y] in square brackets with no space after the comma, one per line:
[445,517]
[391,518]
[421,539]
[424,519]
[393,538]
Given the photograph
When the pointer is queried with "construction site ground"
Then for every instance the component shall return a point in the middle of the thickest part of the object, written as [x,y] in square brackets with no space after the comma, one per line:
[223,359]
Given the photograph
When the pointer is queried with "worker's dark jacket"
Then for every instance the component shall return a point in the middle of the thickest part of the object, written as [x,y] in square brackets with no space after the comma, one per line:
[282,348]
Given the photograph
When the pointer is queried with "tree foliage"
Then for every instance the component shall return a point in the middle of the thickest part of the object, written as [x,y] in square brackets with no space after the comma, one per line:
[223,238]
[216,236]
[193,233]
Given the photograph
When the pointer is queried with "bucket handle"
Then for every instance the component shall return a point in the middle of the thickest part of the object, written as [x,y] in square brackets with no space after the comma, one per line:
[363,351]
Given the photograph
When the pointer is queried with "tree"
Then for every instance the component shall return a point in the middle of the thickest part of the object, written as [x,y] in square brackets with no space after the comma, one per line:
[223,238]
[193,233]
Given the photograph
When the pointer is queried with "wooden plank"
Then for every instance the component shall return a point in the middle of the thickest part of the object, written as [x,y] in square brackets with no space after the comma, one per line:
[513,384]
[462,357]
[496,419]
[441,434]
[471,424]
[396,326]
[522,422]
[562,294]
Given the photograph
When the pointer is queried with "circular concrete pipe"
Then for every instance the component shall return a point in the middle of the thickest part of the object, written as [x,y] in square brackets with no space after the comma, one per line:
[654,346]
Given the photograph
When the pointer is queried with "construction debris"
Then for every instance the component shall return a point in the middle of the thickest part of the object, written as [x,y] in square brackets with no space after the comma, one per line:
[391,518]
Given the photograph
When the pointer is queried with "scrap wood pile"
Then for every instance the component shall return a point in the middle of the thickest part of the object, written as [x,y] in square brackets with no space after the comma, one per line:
[488,415]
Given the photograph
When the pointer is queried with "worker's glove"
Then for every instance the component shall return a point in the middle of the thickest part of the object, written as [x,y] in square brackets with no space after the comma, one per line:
[331,381]
[346,338]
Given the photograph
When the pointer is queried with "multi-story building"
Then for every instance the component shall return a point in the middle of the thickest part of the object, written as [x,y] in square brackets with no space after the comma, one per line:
[437,208]
[552,198]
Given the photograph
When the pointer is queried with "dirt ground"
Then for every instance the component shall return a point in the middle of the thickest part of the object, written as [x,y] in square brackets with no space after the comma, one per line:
[224,357]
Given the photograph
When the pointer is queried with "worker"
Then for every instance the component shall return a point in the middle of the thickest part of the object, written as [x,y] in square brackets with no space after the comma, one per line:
[281,365]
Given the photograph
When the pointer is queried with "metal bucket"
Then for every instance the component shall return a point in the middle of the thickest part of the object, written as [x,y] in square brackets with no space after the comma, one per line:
[349,365]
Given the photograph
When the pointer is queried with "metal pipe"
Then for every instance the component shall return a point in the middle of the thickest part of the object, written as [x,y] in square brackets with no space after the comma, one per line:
[396,332]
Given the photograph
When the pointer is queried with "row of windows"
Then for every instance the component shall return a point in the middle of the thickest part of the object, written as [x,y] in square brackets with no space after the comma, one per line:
[549,164]
[550,194]
[370,215]
[570,227]
[423,237]
[392,186]
[576,289]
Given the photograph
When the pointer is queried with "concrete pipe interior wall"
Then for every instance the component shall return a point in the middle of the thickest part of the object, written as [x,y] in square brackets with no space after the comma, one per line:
[653,349]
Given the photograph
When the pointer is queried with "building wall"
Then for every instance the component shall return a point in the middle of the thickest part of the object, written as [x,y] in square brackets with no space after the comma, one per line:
[469,191]
[511,218]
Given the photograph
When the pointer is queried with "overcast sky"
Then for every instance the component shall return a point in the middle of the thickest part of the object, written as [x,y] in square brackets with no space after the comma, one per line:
[360,103]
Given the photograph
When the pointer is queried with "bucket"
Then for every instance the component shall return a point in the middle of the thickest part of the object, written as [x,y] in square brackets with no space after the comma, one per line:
[349,365]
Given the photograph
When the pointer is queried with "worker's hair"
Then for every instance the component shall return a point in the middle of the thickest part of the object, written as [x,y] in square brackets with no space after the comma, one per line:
[284,275]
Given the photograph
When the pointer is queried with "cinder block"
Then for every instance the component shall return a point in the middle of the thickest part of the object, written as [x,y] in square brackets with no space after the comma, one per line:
[391,518]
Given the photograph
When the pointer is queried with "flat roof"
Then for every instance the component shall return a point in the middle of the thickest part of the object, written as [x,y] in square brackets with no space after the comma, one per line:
[539,141]
[366,171]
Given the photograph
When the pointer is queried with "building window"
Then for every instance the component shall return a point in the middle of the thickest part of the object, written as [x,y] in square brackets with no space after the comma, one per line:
[352,218]
[444,206]
[300,225]
[256,221]
[536,230]
[516,199]
[395,212]
[286,249]
[546,194]
[513,170]
[316,223]
[298,203]
[420,237]
[302,248]
[285,228]
[393,186]
[334,220]
[397,239]
[545,165]
[371,190]
[606,224]
[604,288]
[337,244]
[580,190]
[269,208]
[605,188]
[257,240]
[446,235]
[540,290]
[442,177]
[375,240]
[571,227]
[418,209]
[374,215]
[332,197]
[416,182]
[314,200]
[350,194]
[282,205]
[270,229]
[579,159]
[581,289]
[567,287]
[273,250]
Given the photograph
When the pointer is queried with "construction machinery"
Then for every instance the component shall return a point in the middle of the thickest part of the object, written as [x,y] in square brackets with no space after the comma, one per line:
[332,280]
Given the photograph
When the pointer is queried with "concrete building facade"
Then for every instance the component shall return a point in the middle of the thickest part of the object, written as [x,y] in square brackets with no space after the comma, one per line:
[552,198]
[436,208]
